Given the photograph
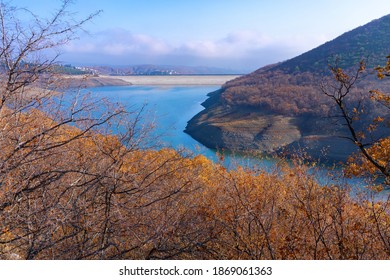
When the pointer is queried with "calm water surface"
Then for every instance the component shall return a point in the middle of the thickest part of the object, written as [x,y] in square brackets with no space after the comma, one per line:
[170,108]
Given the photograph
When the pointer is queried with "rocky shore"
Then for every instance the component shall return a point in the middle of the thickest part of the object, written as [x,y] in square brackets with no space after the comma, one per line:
[253,130]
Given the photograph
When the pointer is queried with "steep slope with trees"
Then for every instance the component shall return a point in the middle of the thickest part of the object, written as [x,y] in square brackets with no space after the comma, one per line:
[282,106]
[69,189]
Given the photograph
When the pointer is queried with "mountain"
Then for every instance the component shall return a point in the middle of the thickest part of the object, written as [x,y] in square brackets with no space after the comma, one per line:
[150,69]
[370,42]
[280,107]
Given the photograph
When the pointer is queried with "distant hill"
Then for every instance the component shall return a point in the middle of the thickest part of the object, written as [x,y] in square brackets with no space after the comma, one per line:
[149,69]
[292,86]
[280,106]
[370,42]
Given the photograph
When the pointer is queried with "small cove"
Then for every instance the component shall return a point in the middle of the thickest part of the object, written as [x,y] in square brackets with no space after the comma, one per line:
[170,107]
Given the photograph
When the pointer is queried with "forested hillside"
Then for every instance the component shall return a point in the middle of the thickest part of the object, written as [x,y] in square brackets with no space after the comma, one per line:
[282,107]
[370,42]
[292,87]
[71,189]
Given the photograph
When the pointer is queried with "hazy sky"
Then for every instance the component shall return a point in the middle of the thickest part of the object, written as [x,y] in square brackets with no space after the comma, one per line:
[236,34]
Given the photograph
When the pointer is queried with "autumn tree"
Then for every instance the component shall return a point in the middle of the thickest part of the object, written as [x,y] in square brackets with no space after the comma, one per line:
[53,163]
[68,188]
[369,137]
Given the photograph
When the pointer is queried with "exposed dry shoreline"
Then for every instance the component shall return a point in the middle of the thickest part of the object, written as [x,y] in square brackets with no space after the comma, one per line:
[195,80]
[176,80]
[255,130]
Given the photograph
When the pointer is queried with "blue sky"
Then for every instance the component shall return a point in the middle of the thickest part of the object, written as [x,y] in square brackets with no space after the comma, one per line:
[235,34]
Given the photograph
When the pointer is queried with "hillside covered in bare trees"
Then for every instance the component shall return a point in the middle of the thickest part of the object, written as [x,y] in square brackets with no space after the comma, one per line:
[71,189]
[281,108]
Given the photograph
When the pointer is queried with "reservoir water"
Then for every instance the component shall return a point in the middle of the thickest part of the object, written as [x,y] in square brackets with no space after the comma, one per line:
[170,108]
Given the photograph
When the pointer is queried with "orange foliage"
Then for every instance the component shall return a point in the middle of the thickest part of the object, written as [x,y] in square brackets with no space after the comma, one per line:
[90,197]
[360,166]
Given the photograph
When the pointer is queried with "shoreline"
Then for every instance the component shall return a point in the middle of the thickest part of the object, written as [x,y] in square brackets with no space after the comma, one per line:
[190,80]
[148,80]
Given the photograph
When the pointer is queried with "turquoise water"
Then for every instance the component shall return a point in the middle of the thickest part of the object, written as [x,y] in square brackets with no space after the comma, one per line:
[170,108]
